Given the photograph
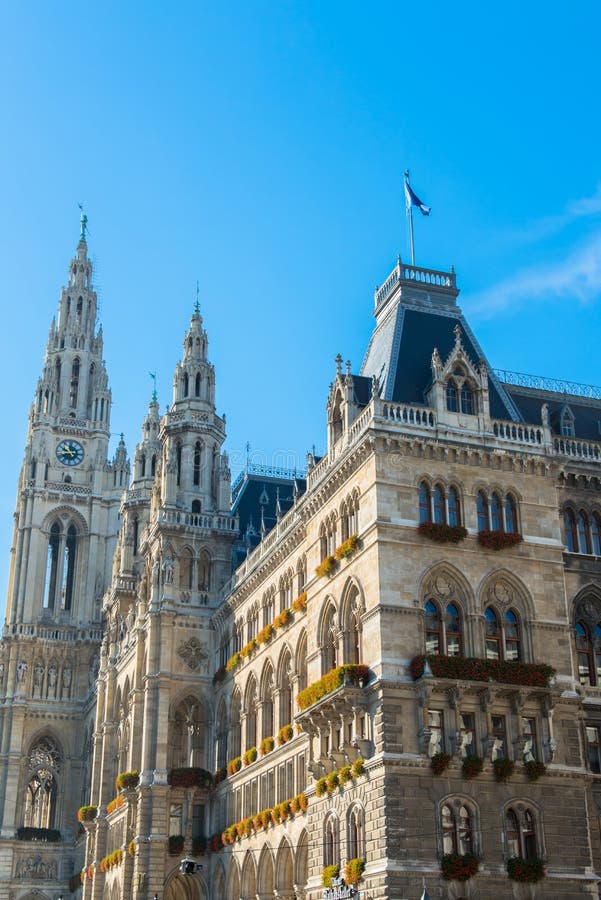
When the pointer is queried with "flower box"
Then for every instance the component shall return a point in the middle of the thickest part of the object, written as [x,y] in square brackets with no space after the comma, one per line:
[87,813]
[282,619]
[327,874]
[219,675]
[131,848]
[298,804]
[443,534]
[470,668]
[526,870]
[332,781]
[534,769]
[113,859]
[265,634]
[47,835]
[114,804]
[321,786]
[344,775]
[215,843]
[248,648]
[233,662]
[357,675]
[358,767]
[354,870]
[300,604]
[266,746]
[285,734]
[472,766]
[347,548]
[503,769]
[326,567]
[250,756]
[127,780]
[234,765]
[190,777]
[459,867]
[499,540]
[440,762]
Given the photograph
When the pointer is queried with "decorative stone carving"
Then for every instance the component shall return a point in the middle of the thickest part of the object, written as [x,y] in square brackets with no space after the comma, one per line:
[35,867]
[193,655]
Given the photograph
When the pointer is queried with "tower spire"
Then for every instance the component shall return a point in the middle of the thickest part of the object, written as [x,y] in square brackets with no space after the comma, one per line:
[83,223]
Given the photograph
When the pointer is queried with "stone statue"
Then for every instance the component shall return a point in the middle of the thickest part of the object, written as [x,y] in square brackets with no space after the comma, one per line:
[52,673]
[38,674]
[168,569]
[67,677]
[22,668]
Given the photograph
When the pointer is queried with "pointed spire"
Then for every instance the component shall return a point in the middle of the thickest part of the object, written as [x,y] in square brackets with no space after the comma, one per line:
[197,304]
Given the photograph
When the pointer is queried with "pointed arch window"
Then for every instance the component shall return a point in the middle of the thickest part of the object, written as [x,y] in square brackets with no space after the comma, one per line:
[185,570]
[520,833]
[482,510]
[439,505]
[467,400]
[502,636]
[330,844]
[204,571]
[356,843]
[197,462]
[143,465]
[454,511]
[511,519]
[42,787]
[52,564]
[178,460]
[251,718]
[456,827]
[186,384]
[443,633]
[74,388]
[582,524]
[496,518]
[588,649]
[197,385]
[330,643]
[424,502]
[452,396]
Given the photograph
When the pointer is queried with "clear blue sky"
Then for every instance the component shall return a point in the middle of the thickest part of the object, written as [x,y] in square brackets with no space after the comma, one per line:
[259,148]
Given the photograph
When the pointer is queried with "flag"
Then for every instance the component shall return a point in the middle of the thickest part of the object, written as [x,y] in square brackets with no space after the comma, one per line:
[425,895]
[411,199]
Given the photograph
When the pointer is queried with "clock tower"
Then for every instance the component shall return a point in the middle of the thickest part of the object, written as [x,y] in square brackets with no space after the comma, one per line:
[66,523]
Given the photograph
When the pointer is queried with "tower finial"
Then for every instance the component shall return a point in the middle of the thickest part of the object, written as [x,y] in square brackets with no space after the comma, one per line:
[197,304]
[154,398]
[84,223]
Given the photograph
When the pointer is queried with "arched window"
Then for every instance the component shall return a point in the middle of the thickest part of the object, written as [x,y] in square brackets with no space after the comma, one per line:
[178,460]
[251,717]
[520,833]
[496,518]
[235,738]
[584,543]
[355,639]
[595,534]
[424,503]
[204,571]
[285,686]
[452,396]
[330,642]
[197,461]
[443,633]
[456,827]
[453,503]
[502,636]
[153,465]
[195,508]
[74,383]
[135,535]
[330,843]
[41,796]
[467,400]
[511,519]
[301,662]
[52,563]
[452,625]
[588,648]
[197,385]
[482,510]
[356,845]
[433,628]
[439,505]
[569,524]
[185,570]
[267,729]
[187,734]
[186,384]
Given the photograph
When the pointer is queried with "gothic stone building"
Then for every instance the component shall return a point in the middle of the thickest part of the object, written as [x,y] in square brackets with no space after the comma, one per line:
[369,693]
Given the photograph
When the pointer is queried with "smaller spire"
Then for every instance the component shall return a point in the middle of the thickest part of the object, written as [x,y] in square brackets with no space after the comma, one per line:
[154,398]
[197,304]
[84,224]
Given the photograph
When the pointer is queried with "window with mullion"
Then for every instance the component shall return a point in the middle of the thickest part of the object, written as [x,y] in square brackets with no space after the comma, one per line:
[493,634]
[584,650]
[439,505]
[496,518]
[530,750]
[569,523]
[593,747]
[425,514]
[452,396]
[453,505]
[433,628]
[584,541]
[482,509]
[511,525]
[453,630]
[512,636]
[595,535]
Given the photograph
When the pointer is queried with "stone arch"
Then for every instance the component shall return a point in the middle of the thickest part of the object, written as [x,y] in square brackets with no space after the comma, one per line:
[300,663]
[439,580]
[301,863]
[232,889]
[248,887]
[67,514]
[284,869]
[43,773]
[188,731]
[184,887]
[327,636]
[352,607]
[265,873]
[284,683]
[218,889]
[503,589]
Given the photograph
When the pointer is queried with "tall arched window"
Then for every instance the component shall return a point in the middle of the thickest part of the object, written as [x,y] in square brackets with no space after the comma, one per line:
[185,570]
[569,523]
[456,827]
[267,706]
[74,388]
[452,396]
[204,571]
[251,717]
[355,833]
[301,661]
[330,843]
[467,400]
[443,632]
[42,789]
[583,532]
[588,648]
[453,503]
[52,564]
[153,465]
[502,635]
[186,384]
[197,385]
[69,566]
[355,639]
[520,833]
[285,686]
[496,518]
[178,461]
[235,741]
[439,505]
[197,462]
[330,643]
[187,734]
[482,510]
[511,519]
[424,502]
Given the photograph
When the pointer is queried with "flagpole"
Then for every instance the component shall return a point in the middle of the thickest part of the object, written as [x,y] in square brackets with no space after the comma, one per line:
[410,212]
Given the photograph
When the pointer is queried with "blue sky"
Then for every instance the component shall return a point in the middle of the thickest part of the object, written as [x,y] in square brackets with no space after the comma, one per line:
[259,148]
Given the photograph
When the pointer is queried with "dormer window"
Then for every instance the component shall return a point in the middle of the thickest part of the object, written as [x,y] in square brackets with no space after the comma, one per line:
[452,396]
[566,422]
[460,396]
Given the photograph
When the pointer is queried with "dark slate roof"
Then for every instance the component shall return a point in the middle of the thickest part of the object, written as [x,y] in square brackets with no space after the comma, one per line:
[400,354]
[254,499]
[586,412]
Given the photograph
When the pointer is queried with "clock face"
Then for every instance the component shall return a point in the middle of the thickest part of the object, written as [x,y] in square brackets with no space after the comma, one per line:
[69,453]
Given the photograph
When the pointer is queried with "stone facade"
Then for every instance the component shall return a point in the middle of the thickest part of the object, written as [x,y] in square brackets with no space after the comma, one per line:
[317,706]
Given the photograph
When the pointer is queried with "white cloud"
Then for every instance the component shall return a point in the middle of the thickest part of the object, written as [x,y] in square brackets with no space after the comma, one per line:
[577,209]
[577,277]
